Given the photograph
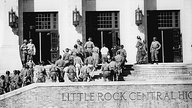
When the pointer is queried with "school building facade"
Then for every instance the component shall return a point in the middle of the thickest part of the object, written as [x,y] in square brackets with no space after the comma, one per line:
[50,23]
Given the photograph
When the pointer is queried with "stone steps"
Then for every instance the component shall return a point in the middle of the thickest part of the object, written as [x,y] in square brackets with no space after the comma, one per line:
[172,71]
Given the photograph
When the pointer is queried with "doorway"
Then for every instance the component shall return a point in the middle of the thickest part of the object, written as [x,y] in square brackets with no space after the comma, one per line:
[103,28]
[165,25]
[42,27]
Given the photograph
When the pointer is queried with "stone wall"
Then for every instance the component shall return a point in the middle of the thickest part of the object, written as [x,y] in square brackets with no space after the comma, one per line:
[177,94]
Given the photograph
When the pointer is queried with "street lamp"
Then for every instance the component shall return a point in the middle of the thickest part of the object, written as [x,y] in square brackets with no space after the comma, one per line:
[138,16]
[13,19]
[76,17]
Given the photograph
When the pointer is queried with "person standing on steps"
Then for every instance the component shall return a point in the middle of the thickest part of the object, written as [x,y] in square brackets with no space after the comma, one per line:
[154,50]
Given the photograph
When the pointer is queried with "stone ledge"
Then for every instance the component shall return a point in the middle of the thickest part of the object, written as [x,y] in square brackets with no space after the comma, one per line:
[69,84]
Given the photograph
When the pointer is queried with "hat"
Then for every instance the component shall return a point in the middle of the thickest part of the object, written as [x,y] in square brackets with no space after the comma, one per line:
[30,40]
[138,37]
[89,38]
[24,41]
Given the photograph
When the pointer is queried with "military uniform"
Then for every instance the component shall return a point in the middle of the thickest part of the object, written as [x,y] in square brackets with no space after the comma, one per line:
[78,63]
[119,60]
[89,60]
[155,46]
[123,53]
[114,51]
[16,82]
[95,59]
[66,57]
[54,71]
[140,51]
[41,74]
[71,73]
[106,71]
[60,64]
[84,73]
[31,51]
[88,48]
[7,83]
[113,69]
[2,86]
[24,52]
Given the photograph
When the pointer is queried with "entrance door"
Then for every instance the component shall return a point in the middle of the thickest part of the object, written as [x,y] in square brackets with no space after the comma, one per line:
[109,38]
[42,27]
[171,45]
[54,46]
[103,27]
[165,26]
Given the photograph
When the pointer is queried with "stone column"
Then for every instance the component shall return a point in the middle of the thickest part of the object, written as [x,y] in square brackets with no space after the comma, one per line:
[186,30]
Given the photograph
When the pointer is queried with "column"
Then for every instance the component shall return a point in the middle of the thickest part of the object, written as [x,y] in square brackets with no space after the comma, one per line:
[186,30]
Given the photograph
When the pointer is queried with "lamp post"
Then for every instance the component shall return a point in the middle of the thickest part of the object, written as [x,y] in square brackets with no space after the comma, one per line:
[138,16]
[76,17]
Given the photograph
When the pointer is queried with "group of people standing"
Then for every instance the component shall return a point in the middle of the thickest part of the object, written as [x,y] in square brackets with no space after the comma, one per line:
[77,64]
[27,50]
[142,56]
[80,63]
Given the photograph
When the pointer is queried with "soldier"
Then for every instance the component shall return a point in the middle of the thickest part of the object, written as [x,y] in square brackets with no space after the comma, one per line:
[80,49]
[31,49]
[41,74]
[105,69]
[95,56]
[113,69]
[60,64]
[71,72]
[2,84]
[75,50]
[22,74]
[84,75]
[155,46]
[7,81]
[140,49]
[119,60]
[89,60]
[24,51]
[89,45]
[54,72]
[66,55]
[123,53]
[96,49]
[114,50]
[16,81]
[77,63]
[31,65]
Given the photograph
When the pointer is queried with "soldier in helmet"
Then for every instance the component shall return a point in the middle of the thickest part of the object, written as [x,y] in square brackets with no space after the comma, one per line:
[31,50]
[89,45]
[154,49]
[24,51]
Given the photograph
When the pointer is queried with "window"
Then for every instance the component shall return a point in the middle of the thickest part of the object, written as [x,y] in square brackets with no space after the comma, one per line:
[46,21]
[167,19]
[107,20]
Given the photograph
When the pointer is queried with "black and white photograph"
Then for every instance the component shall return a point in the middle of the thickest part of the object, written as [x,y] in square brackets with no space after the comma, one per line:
[95,53]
